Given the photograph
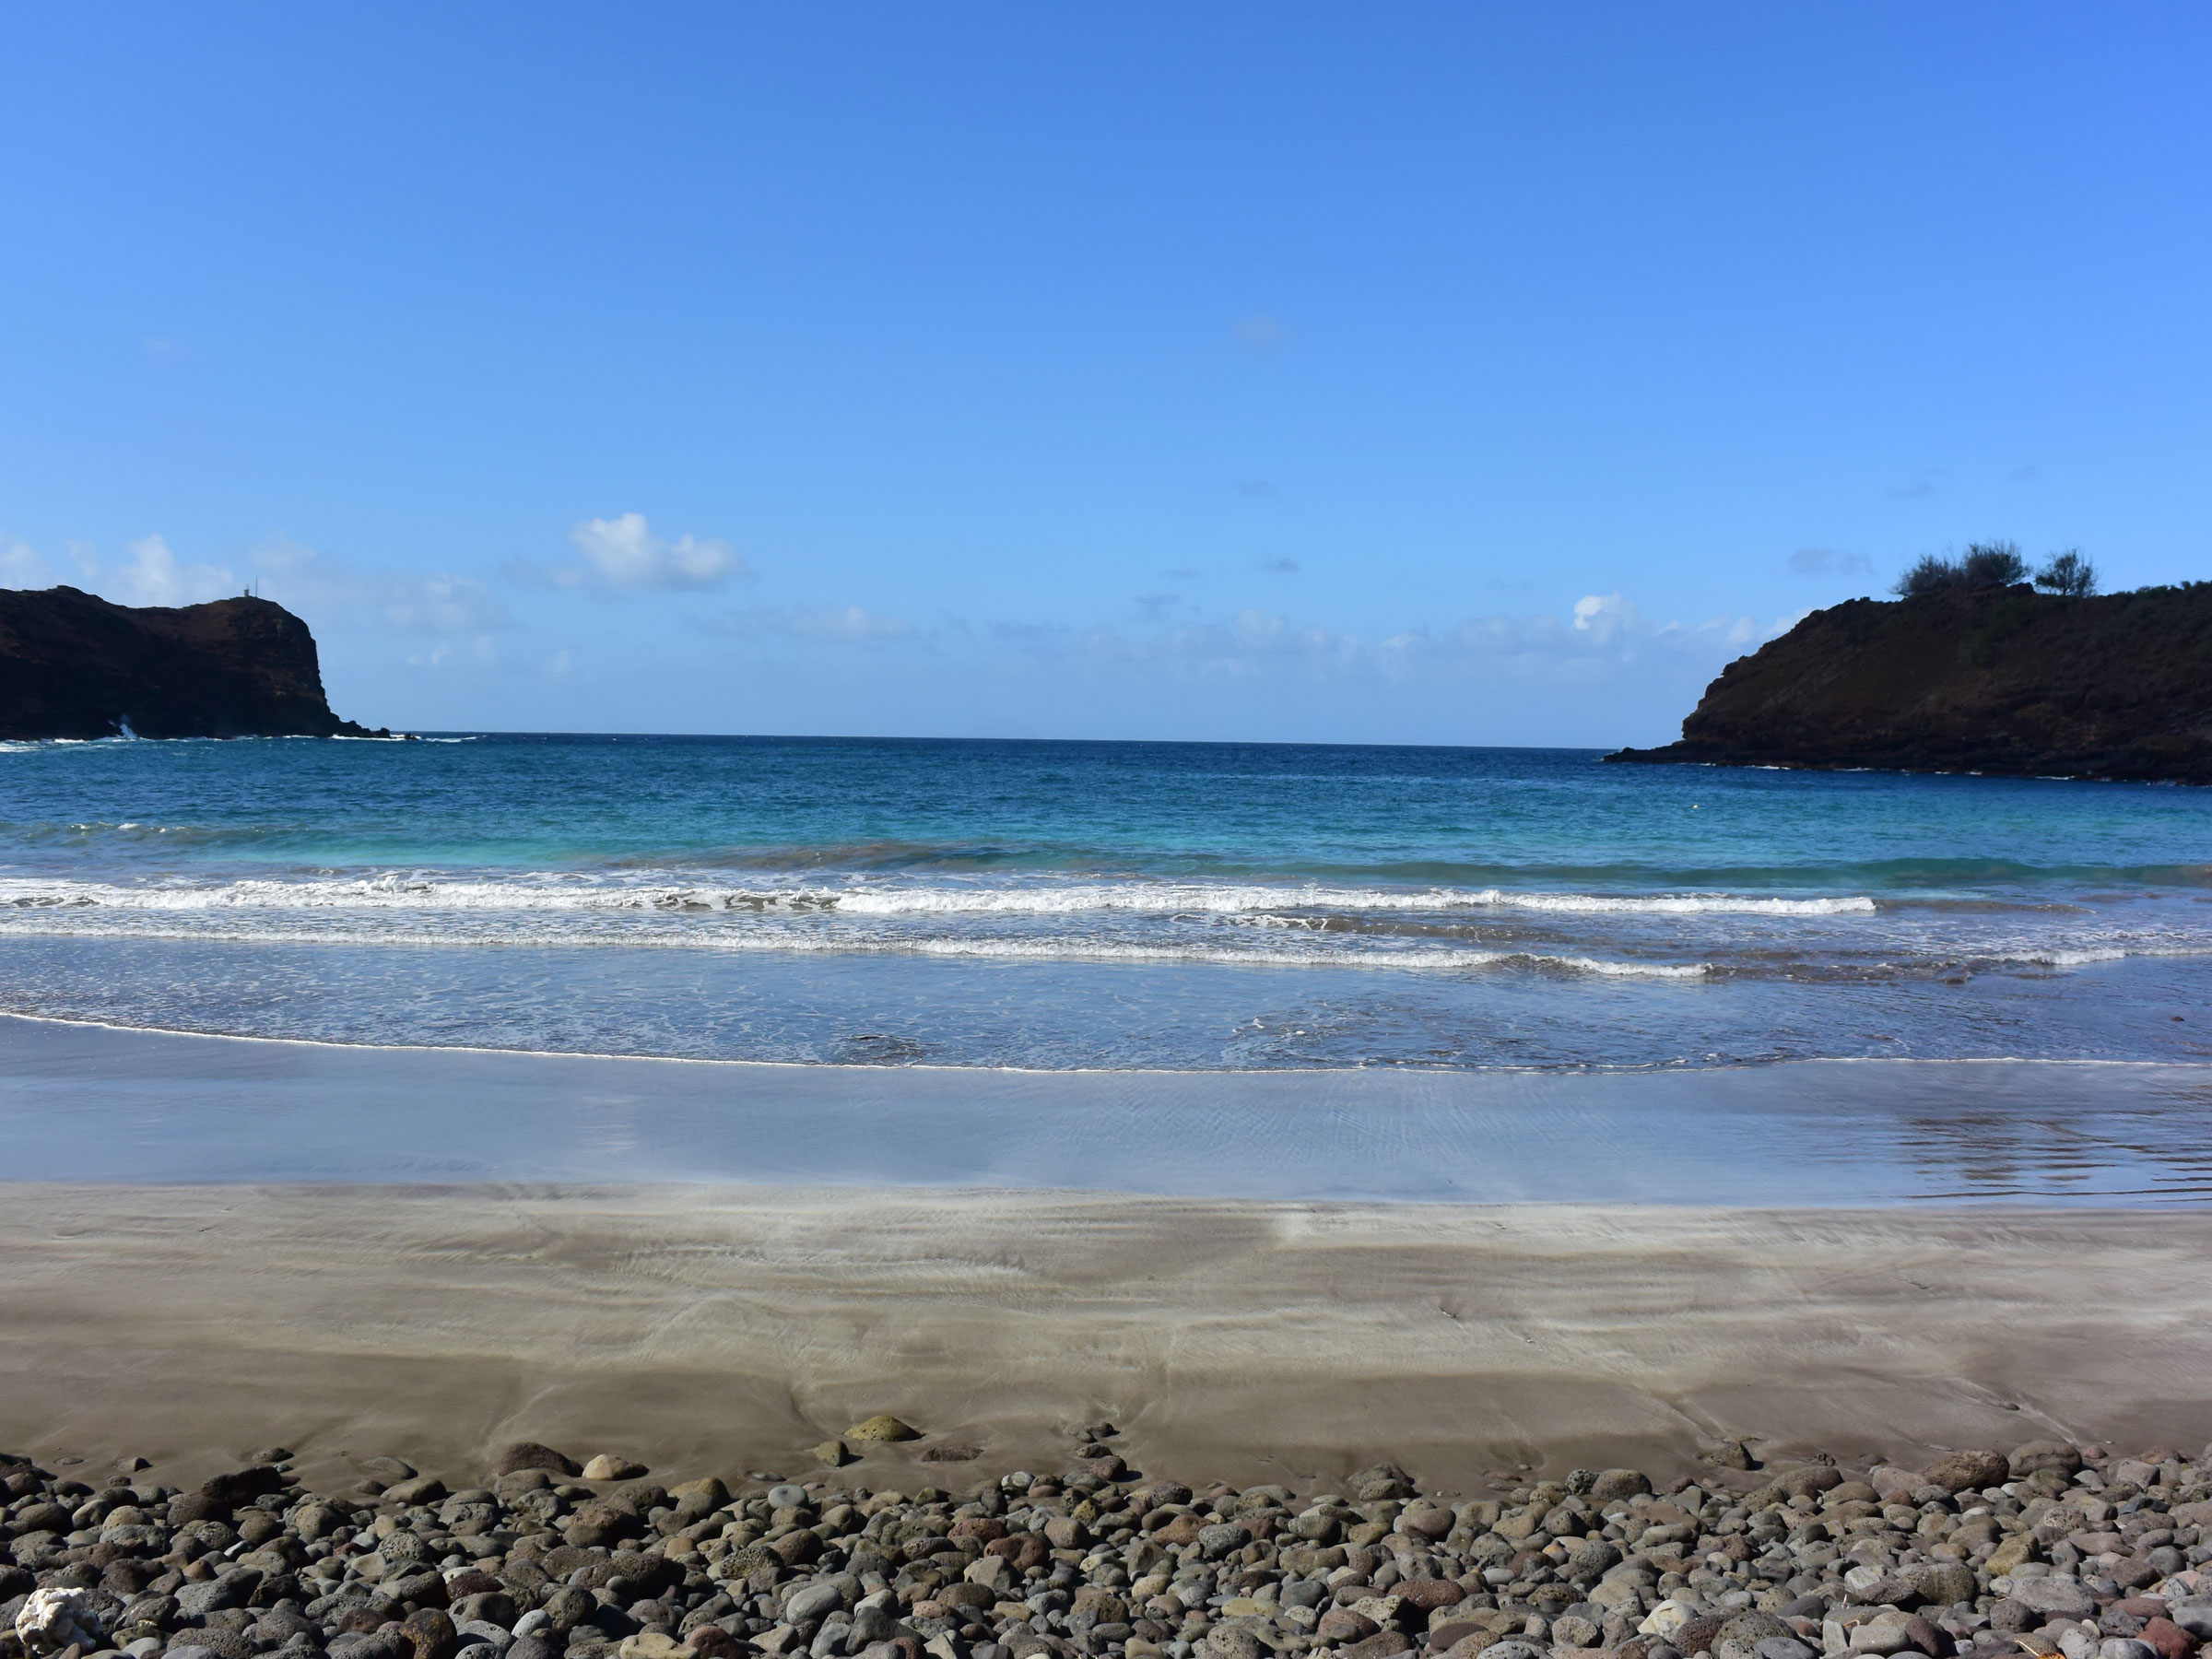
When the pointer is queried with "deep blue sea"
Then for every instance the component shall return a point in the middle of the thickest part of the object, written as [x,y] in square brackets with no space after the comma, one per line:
[1097,904]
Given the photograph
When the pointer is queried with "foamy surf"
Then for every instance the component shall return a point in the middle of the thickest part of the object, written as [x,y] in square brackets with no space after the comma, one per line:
[401,889]
[1117,905]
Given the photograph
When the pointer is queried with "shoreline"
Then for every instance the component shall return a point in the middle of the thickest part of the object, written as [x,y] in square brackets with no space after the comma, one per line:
[84,1102]
[932,1068]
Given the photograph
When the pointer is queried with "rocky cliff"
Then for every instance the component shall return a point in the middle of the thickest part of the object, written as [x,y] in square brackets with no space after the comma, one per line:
[2000,680]
[74,665]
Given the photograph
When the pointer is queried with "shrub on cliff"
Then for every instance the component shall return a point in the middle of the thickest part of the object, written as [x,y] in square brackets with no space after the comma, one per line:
[2067,573]
[1987,565]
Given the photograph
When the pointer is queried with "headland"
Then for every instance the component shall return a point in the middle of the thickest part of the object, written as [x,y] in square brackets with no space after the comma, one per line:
[74,665]
[1997,680]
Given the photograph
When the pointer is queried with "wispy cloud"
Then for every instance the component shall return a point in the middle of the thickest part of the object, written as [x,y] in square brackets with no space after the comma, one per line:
[1601,634]
[325,588]
[1260,333]
[1826,561]
[481,651]
[20,566]
[328,591]
[151,574]
[1279,567]
[840,623]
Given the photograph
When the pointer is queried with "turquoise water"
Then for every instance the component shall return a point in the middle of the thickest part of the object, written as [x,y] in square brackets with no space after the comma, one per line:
[1069,905]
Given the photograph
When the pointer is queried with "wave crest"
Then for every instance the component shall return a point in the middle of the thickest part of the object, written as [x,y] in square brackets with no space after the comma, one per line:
[398,890]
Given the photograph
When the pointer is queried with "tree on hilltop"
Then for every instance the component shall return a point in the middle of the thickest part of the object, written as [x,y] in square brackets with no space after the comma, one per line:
[1997,564]
[2067,573]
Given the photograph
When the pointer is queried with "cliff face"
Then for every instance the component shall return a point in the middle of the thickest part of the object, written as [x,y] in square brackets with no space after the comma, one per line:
[2002,680]
[74,665]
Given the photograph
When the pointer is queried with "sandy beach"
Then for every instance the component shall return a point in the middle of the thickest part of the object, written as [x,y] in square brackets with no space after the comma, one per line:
[720,1329]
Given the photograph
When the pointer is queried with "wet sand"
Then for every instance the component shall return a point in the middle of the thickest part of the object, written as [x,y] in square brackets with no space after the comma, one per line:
[722,1328]
[91,1103]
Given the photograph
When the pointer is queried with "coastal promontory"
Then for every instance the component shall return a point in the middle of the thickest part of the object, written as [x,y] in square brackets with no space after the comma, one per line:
[1999,681]
[72,665]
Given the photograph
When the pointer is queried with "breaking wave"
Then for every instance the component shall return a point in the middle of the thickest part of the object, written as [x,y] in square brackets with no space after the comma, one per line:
[395,890]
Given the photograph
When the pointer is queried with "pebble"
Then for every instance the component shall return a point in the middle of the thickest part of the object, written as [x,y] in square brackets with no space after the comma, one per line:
[2049,1548]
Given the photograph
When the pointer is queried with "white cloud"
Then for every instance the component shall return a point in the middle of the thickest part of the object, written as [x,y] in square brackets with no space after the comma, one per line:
[20,566]
[625,552]
[332,595]
[154,575]
[1603,614]
[149,573]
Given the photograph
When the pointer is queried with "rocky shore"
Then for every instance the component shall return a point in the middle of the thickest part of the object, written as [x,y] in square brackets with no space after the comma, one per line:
[2049,1549]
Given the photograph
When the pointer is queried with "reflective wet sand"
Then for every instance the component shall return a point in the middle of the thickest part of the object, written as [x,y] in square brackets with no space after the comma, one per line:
[92,1103]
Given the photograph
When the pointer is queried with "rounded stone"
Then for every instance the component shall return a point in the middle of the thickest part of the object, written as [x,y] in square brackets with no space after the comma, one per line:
[2036,1456]
[529,1454]
[883,1426]
[1613,1484]
[1969,1470]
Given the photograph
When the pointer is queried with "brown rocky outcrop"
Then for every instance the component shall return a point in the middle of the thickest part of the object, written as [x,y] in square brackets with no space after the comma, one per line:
[2003,680]
[74,665]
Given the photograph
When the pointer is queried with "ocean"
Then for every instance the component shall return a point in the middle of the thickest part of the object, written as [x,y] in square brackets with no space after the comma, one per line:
[1069,906]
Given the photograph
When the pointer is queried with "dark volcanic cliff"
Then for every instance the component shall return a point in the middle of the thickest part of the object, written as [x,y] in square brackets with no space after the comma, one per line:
[1998,680]
[74,665]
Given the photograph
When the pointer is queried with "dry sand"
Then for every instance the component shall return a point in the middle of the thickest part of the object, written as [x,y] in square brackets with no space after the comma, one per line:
[725,1329]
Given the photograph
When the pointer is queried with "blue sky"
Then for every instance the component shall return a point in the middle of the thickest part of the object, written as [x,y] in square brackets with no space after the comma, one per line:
[1419,374]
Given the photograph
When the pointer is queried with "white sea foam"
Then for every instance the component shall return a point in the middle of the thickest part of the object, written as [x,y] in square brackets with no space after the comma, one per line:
[405,891]
[1267,952]
[2082,958]
[1429,957]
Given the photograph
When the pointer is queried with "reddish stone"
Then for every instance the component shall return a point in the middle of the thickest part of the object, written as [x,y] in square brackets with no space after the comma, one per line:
[2169,1638]
[1184,1529]
[1342,1624]
[1429,1594]
[793,1549]
[1022,1551]
[1384,1644]
[1927,1637]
